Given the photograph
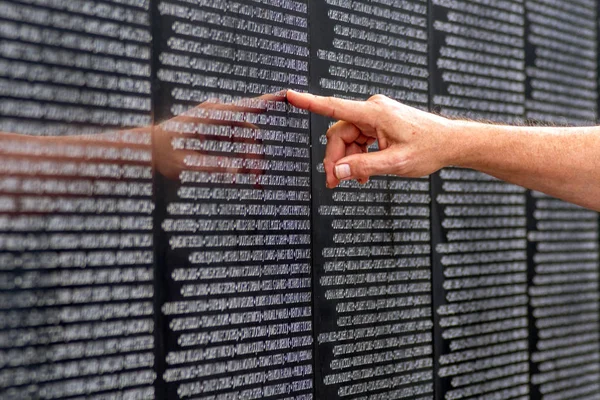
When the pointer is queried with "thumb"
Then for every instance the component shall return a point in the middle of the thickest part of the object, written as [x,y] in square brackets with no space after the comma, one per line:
[363,166]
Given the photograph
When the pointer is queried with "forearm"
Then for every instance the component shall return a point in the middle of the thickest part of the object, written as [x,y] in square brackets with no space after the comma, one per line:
[561,162]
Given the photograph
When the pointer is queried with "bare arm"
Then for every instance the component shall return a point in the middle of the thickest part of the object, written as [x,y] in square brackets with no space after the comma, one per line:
[561,162]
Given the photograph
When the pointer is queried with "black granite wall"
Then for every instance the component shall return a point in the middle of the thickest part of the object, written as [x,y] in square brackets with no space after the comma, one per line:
[162,236]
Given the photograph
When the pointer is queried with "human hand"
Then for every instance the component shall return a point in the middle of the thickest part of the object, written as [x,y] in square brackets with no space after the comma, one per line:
[412,143]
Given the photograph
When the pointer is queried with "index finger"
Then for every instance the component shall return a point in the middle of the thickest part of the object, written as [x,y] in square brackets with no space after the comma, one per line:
[341,109]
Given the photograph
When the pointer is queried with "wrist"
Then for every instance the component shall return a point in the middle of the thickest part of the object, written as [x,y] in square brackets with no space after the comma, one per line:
[464,142]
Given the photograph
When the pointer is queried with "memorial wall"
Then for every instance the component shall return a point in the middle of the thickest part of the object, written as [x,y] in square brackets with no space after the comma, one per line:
[166,232]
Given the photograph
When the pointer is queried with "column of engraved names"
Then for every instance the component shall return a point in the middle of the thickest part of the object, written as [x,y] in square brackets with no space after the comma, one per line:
[76,315]
[372,264]
[376,276]
[77,282]
[483,313]
[482,308]
[74,67]
[564,290]
[479,59]
[564,296]
[238,227]
[563,73]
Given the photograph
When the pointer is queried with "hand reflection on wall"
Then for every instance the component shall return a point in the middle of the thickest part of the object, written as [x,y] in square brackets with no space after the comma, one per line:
[184,142]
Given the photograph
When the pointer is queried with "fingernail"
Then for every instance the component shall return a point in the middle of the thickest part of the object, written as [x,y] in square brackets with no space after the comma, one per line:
[342,171]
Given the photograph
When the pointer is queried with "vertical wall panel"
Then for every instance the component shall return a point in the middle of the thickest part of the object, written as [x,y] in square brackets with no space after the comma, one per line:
[76,258]
[371,243]
[235,200]
[480,273]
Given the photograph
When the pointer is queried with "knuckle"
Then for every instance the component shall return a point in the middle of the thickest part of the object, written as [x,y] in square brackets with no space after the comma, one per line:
[377,107]
[359,170]
[402,164]
[331,105]
[312,103]
[378,98]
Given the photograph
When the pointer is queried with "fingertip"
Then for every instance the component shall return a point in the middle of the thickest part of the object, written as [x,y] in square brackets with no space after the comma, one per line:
[292,97]
[304,101]
[331,181]
[293,93]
